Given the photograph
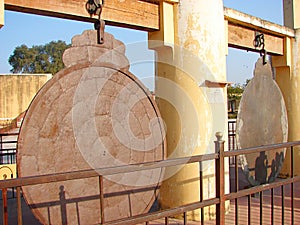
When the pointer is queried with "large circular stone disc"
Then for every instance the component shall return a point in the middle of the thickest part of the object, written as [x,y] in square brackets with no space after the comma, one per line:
[262,120]
[89,117]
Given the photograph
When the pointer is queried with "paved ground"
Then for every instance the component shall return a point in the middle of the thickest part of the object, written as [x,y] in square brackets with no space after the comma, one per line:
[29,219]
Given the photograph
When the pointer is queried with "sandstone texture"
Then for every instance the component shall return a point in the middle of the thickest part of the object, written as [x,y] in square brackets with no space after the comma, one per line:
[93,114]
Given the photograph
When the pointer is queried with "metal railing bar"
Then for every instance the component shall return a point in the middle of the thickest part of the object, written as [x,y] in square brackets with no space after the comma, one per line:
[236,212]
[43,179]
[260,148]
[260,188]
[292,186]
[220,179]
[164,213]
[249,209]
[166,220]
[4,206]
[201,192]
[292,203]
[282,204]
[236,190]
[101,192]
[272,206]
[49,178]
[19,206]
[260,208]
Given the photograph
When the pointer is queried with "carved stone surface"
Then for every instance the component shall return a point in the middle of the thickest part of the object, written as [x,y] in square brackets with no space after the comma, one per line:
[262,120]
[93,114]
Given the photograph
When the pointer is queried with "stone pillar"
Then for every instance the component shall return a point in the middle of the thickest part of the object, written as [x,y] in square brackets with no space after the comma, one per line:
[288,78]
[192,54]
[1,13]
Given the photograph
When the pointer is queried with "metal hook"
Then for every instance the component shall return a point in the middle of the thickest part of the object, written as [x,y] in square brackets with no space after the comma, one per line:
[263,53]
[94,7]
[259,42]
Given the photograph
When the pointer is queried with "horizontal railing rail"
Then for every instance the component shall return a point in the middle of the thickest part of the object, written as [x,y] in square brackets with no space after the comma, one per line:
[261,188]
[49,178]
[263,148]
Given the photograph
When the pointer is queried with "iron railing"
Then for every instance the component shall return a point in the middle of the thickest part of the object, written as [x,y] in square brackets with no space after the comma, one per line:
[8,148]
[218,201]
[232,134]
[249,192]
[232,138]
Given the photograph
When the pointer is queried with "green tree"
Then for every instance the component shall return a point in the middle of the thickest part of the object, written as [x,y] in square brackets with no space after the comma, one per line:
[39,58]
[235,91]
[234,95]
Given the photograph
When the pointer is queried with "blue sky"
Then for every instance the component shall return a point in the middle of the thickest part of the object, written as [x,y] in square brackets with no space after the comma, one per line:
[36,30]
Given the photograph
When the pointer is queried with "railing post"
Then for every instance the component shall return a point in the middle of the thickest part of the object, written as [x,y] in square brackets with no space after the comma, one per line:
[220,180]
[19,206]
[101,189]
[4,206]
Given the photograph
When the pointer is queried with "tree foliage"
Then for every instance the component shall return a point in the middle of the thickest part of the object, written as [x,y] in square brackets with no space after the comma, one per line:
[235,92]
[39,58]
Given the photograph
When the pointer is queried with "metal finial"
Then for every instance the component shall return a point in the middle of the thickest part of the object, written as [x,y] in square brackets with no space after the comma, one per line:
[219,136]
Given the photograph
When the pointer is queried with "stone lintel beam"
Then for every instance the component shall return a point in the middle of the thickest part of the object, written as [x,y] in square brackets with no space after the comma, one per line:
[141,15]
[246,20]
[243,27]
[145,15]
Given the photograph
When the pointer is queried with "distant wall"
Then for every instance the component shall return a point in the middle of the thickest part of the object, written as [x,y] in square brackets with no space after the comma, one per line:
[16,93]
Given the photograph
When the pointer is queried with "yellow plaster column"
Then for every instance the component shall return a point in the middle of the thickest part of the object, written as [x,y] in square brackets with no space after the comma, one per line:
[1,13]
[288,78]
[192,51]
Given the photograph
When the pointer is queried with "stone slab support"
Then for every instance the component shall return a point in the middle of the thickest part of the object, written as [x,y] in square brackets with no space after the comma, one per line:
[192,51]
[291,13]
[287,69]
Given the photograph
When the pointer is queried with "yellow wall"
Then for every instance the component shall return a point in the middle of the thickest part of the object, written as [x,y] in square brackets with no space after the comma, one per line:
[1,13]
[16,93]
[8,171]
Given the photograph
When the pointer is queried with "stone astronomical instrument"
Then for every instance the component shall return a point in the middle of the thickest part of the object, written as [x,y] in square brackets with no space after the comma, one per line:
[93,114]
[262,120]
